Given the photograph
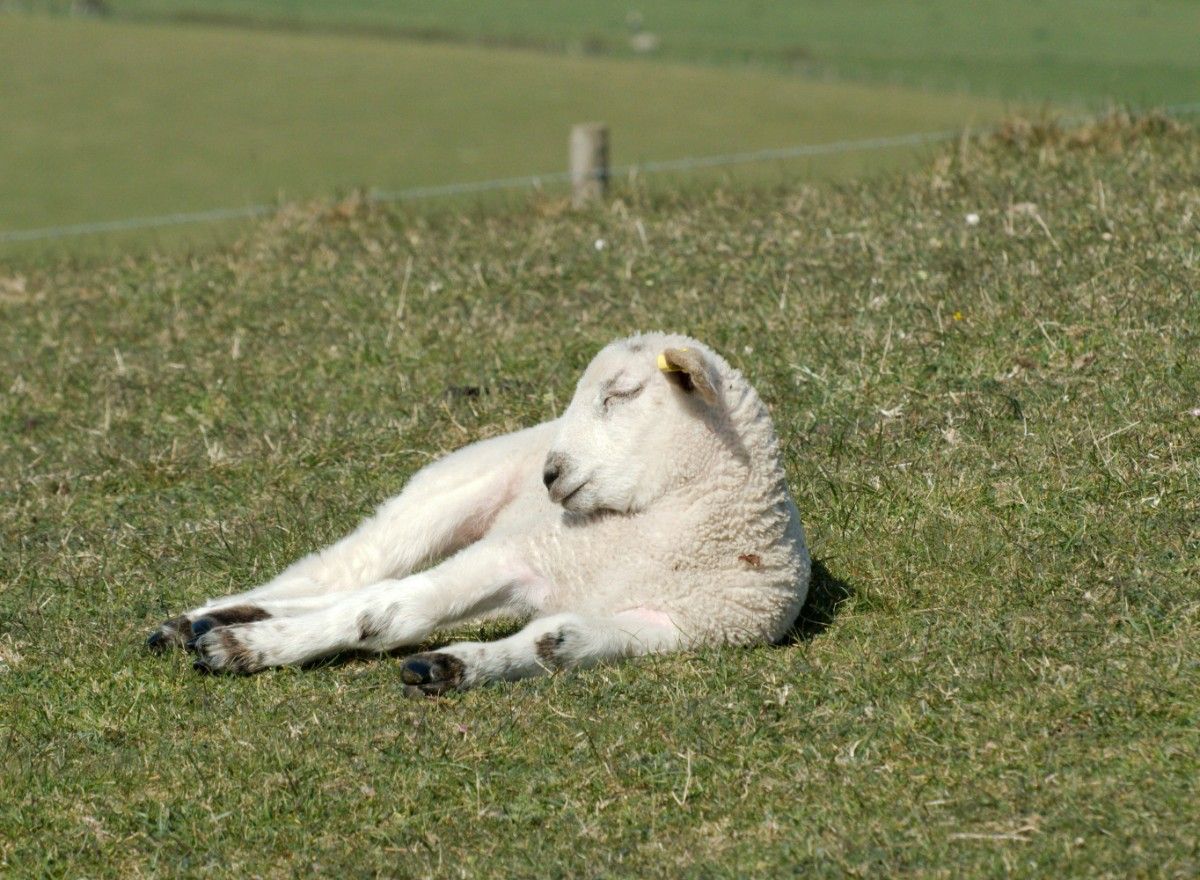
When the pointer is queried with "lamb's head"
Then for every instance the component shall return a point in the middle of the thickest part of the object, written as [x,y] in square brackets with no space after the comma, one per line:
[639,425]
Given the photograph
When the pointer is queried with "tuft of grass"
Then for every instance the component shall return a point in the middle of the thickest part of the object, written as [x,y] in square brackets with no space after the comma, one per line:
[990,425]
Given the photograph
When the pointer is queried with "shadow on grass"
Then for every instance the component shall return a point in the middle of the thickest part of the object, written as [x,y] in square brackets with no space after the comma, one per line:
[826,595]
[483,631]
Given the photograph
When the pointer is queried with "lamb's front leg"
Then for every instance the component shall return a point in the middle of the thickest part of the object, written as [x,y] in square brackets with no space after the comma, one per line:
[483,578]
[549,643]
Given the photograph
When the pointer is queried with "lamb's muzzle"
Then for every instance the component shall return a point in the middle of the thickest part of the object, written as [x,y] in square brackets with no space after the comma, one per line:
[556,474]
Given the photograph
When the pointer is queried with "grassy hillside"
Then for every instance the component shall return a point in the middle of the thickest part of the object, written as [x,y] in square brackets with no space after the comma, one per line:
[1131,50]
[991,430]
[113,120]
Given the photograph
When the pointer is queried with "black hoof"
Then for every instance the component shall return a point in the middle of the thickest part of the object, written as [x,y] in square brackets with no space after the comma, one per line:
[417,670]
[431,674]
[199,628]
[173,633]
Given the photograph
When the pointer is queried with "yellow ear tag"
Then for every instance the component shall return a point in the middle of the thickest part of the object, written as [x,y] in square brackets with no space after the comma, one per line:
[665,365]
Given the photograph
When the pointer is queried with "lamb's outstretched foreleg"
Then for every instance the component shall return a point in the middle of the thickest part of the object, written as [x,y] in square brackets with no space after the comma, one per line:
[445,506]
[549,643]
[485,578]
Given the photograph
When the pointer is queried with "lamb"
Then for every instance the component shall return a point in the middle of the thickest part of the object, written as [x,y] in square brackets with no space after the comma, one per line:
[652,516]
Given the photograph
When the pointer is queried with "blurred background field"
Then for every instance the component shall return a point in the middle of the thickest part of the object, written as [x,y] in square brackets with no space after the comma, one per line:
[1064,50]
[118,119]
[130,108]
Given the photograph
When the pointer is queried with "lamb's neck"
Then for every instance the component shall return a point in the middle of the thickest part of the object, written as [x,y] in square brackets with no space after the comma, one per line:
[756,446]
[741,462]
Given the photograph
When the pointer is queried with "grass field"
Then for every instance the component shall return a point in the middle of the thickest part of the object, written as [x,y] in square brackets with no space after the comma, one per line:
[108,120]
[991,431]
[1142,51]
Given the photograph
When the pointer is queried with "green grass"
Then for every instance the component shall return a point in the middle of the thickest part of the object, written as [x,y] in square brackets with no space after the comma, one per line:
[106,121]
[1074,50]
[989,429]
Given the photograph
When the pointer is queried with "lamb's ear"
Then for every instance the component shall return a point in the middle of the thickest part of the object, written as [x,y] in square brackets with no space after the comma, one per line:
[690,370]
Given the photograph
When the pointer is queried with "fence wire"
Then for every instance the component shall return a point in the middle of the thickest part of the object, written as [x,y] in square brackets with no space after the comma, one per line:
[690,163]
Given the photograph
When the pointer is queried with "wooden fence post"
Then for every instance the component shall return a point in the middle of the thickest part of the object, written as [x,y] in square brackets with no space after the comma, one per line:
[589,162]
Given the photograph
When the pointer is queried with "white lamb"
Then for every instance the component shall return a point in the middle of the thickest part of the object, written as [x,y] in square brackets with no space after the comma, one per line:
[652,516]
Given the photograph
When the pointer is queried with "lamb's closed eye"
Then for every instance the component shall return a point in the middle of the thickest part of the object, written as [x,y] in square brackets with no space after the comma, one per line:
[622,395]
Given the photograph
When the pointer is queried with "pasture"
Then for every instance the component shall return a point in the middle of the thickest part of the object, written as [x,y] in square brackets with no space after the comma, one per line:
[1140,51]
[110,120]
[991,427]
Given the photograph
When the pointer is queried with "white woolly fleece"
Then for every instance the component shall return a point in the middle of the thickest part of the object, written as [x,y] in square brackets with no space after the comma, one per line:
[653,515]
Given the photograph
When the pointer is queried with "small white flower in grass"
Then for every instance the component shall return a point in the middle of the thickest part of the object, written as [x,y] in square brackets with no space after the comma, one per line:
[600,244]
[644,42]
[972,219]
[1194,413]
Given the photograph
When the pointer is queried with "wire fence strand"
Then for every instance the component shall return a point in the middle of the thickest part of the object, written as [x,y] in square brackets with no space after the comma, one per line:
[688,163]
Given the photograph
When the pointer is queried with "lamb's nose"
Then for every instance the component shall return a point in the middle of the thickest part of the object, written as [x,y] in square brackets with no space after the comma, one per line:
[550,474]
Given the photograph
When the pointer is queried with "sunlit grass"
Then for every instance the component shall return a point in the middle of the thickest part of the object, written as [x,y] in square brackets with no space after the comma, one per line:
[989,430]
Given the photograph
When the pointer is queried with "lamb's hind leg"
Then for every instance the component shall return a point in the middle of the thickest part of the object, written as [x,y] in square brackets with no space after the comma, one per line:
[481,579]
[445,507]
[211,617]
[186,628]
[546,644]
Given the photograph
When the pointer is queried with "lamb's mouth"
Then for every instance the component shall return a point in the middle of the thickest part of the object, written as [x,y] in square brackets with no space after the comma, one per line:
[566,498]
